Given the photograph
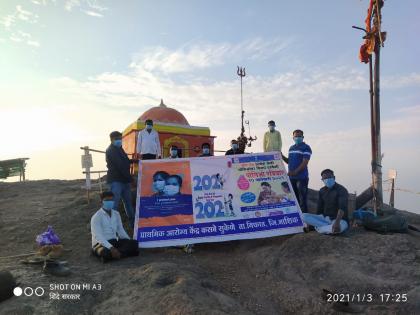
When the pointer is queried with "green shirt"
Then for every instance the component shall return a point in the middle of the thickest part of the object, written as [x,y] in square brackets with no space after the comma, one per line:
[272,141]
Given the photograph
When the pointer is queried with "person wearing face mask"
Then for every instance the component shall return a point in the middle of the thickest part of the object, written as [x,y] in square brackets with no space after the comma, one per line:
[148,144]
[109,239]
[173,152]
[272,138]
[205,148]
[118,175]
[298,159]
[173,186]
[332,213]
[159,182]
[234,148]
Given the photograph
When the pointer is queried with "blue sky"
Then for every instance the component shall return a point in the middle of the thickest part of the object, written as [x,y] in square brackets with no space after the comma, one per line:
[73,70]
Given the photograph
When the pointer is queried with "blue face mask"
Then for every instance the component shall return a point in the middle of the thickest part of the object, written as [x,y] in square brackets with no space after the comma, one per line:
[149,127]
[108,204]
[329,182]
[206,150]
[234,146]
[118,143]
[174,153]
[298,140]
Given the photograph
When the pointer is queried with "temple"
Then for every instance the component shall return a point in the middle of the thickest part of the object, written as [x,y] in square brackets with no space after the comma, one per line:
[173,128]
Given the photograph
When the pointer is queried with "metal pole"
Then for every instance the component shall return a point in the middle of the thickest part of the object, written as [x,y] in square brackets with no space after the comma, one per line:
[88,182]
[391,196]
[376,137]
[241,73]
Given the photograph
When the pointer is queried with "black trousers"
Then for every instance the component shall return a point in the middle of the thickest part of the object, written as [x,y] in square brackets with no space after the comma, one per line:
[148,156]
[300,187]
[126,247]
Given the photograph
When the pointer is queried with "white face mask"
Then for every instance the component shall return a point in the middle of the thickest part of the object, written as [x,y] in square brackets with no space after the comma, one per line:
[171,190]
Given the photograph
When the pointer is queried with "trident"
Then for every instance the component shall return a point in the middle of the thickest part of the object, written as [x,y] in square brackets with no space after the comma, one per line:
[241,73]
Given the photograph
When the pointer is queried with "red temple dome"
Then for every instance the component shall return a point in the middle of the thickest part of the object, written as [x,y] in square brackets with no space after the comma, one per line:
[164,114]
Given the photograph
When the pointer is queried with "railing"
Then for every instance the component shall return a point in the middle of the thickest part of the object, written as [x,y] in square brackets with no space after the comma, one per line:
[87,164]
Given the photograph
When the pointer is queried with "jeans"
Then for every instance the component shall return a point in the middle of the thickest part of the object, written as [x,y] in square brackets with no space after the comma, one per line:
[300,187]
[123,191]
[323,224]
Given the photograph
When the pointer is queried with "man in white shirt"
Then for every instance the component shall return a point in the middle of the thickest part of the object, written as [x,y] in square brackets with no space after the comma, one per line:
[109,239]
[148,145]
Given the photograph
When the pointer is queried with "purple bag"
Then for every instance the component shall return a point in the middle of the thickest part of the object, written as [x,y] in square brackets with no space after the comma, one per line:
[48,237]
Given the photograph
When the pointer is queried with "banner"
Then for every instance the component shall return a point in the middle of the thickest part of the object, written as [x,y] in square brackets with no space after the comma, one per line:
[214,199]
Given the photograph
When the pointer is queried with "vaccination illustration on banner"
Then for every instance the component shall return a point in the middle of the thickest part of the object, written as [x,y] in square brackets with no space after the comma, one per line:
[213,199]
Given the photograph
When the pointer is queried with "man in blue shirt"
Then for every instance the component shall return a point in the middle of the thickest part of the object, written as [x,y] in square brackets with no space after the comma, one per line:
[298,159]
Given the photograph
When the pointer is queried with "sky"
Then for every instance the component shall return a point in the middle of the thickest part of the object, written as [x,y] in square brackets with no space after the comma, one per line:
[74,70]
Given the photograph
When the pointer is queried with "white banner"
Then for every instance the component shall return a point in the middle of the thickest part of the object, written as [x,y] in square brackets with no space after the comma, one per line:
[214,199]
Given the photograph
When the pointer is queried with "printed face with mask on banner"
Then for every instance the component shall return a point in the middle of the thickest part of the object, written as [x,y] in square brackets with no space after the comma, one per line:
[191,200]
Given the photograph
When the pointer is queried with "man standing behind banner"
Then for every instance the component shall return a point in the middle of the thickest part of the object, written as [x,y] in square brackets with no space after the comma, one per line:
[234,145]
[148,145]
[118,175]
[173,152]
[205,148]
[299,155]
[272,138]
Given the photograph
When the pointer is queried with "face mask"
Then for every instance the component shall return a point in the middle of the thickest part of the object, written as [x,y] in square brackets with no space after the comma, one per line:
[329,182]
[171,190]
[298,140]
[159,185]
[107,204]
[271,128]
[118,143]
[149,127]
[206,151]
[174,153]
[234,146]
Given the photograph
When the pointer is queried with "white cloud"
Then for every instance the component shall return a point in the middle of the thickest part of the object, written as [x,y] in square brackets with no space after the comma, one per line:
[89,7]
[23,37]
[70,4]
[92,13]
[8,20]
[398,81]
[33,43]
[203,55]
[42,2]
[11,25]
[25,15]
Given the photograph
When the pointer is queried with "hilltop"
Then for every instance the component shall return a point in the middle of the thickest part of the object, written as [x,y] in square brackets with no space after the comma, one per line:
[280,275]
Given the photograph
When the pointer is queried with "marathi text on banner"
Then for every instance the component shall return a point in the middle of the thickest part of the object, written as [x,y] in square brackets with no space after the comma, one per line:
[213,199]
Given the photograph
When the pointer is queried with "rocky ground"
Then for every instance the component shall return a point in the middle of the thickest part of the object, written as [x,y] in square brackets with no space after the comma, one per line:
[280,275]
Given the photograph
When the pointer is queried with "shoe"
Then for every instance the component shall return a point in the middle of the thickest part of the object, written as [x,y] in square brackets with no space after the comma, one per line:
[189,249]
[56,268]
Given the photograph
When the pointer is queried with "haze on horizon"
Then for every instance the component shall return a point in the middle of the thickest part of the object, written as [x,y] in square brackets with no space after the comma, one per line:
[74,70]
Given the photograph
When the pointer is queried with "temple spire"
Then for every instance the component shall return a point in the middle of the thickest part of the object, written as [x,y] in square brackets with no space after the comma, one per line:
[162,104]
